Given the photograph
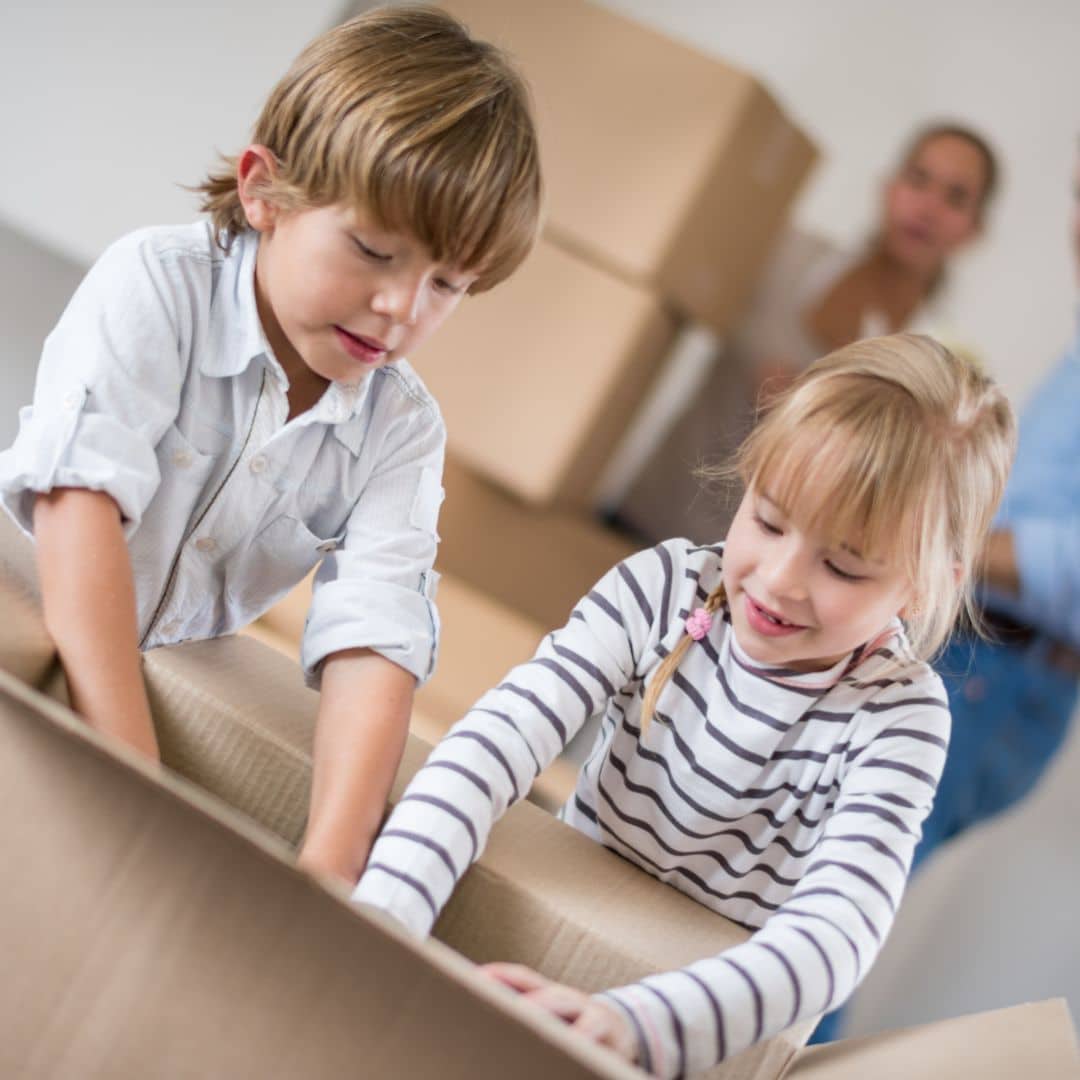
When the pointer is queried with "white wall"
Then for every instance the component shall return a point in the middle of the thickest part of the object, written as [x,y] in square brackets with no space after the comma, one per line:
[107,106]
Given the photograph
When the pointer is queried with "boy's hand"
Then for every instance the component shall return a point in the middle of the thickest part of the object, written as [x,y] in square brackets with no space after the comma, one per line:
[591,1017]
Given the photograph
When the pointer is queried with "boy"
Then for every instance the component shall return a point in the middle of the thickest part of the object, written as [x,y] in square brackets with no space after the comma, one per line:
[221,405]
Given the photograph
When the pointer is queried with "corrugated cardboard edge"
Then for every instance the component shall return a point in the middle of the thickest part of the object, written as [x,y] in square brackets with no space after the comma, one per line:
[44,719]
[1036,1040]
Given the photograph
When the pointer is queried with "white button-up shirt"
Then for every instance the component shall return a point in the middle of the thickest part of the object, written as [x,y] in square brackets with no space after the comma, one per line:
[158,386]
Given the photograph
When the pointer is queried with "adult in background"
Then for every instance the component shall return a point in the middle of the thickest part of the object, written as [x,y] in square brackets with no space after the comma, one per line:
[815,297]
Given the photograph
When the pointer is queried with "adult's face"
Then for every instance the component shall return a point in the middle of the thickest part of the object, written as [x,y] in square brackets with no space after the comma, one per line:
[933,204]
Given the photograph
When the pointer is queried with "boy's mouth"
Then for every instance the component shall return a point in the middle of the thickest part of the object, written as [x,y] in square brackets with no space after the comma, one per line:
[365,349]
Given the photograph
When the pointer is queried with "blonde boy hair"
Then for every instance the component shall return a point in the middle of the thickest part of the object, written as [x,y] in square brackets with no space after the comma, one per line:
[401,112]
[910,446]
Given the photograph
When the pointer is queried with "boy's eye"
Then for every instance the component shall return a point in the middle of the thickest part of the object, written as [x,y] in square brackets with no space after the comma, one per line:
[844,575]
[444,285]
[370,252]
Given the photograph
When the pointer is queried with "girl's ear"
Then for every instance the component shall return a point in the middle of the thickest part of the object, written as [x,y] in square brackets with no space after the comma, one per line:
[255,170]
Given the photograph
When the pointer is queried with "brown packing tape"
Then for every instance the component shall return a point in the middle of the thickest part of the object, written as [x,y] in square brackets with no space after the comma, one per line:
[147,932]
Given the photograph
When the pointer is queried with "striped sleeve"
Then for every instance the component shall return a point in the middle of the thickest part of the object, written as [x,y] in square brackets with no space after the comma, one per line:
[490,758]
[811,953]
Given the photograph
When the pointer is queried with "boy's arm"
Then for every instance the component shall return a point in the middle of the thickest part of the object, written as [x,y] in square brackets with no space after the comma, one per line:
[88,596]
[363,721]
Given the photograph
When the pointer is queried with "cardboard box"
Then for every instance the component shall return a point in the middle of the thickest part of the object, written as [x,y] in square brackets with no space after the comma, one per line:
[157,928]
[481,641]
[537,379]
[152,922]
[671,167]
[1035,1040]
[149,932]
[539,562]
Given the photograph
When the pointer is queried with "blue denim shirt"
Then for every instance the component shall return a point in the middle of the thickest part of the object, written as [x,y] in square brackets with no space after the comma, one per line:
[158,386]
[1042,506]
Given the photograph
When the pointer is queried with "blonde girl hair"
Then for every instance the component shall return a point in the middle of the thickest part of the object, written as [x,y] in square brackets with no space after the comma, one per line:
[401,112]
[908,448]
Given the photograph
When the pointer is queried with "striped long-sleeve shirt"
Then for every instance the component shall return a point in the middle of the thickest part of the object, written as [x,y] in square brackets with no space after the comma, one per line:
[790,803]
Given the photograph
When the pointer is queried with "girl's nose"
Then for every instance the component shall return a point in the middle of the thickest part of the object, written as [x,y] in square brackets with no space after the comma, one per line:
[784,571]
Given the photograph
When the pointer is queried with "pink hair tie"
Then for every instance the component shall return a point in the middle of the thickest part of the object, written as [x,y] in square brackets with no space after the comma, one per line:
[698,623]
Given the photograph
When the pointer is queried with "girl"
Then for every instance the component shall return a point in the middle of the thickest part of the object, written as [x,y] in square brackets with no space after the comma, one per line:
[772,734]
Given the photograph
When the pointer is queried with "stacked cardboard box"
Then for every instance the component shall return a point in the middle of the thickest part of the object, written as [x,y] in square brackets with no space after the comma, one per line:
[668,175]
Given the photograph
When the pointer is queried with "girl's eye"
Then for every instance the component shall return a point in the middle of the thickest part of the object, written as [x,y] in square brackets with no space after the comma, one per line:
[370,252]
[766,526]
[843,574]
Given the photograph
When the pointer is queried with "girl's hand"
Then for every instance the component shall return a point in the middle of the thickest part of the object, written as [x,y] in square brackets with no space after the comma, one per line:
[591,1017]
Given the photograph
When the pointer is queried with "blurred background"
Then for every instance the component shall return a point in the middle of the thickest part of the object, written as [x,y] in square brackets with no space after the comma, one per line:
[108,108]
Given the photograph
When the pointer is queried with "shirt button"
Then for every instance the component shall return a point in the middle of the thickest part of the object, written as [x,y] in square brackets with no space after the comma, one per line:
[206,543]
[168,629]
[70,402]
[258,464]
[181,459]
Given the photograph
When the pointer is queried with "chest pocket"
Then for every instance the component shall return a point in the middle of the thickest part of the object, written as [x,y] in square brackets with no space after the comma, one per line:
[277,559]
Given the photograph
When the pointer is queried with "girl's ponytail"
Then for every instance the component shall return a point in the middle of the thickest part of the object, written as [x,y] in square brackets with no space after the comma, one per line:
[670,662]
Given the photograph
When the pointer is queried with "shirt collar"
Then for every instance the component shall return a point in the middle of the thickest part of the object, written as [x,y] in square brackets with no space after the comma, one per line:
[236,336]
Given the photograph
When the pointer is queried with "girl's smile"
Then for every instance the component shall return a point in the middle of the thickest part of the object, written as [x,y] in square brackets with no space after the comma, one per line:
[765,621]
[799,598]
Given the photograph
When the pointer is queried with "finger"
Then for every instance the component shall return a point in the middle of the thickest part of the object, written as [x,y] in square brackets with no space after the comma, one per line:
[562,1001]
[516,976]
[607,1027]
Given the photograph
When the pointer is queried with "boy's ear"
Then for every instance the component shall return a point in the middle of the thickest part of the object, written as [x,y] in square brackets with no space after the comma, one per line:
[255,169]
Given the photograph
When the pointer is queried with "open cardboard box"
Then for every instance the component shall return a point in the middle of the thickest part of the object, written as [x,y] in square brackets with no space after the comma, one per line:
[152,922]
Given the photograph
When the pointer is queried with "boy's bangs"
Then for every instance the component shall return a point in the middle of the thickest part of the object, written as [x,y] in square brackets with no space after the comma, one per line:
[462,202]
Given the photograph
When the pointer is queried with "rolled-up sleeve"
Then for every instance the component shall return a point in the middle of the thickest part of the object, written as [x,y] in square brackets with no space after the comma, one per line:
[377,590]
[107,388]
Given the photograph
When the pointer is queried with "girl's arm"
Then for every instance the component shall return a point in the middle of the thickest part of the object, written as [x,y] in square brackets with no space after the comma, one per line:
[88,596]
[363,721]
[491,758]
[817,945]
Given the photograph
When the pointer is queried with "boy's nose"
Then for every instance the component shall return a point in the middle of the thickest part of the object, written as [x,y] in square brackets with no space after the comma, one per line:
[400,299]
